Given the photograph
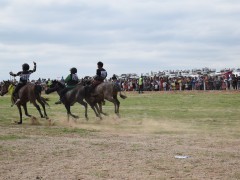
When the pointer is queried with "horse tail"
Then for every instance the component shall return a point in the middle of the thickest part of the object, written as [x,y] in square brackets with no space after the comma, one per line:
[118,89]
[44,100]
[38,90]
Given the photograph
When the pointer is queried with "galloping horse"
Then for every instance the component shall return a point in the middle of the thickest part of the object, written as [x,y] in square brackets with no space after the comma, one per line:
[74,95]
[105,90]
[29,92]
[109,91]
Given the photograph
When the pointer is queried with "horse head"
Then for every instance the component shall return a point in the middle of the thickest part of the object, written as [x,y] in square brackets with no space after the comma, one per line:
[55,86]
[5,87]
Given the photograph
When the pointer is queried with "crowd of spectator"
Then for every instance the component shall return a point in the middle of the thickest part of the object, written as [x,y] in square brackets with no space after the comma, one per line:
[156,83]
[165,83]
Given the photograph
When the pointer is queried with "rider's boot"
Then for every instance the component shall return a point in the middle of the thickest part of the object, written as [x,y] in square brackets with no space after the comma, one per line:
[60,101]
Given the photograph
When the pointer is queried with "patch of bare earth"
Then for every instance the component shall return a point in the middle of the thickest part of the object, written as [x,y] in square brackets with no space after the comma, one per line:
[120,155]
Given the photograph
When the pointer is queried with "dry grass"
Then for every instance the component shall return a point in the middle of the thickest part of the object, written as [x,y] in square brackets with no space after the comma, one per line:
[139,145]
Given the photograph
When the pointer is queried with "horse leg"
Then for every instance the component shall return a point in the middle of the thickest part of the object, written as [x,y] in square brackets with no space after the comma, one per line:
[68,111]
[25,109]
[96,110]
[67,106]
[43,106]
[20,114]
[118,103]
[85,106]
[115,102]
[94,107]
[38,108]
[100,108]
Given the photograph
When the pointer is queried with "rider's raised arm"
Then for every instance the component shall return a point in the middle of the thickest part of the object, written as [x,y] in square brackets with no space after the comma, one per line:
[35,67]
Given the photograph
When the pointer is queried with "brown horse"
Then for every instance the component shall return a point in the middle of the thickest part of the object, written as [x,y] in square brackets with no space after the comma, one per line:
[29,92]
[108,91]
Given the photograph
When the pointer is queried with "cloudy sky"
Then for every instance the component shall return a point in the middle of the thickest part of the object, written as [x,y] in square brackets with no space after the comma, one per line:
[128,36]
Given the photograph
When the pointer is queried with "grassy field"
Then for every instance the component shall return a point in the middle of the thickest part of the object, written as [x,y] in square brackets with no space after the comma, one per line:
[159,112]
[201,124]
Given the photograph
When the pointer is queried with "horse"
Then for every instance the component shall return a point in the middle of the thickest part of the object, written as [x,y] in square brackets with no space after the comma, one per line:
[108,91]
[29,92]
[77,94]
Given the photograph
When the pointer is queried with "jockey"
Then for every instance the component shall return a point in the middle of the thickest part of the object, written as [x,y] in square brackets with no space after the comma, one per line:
[24,77]
[114,78]
[100,76]
[101,73]
[71,82]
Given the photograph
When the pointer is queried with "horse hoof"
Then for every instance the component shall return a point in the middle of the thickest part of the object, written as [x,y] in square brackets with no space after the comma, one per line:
[18,122]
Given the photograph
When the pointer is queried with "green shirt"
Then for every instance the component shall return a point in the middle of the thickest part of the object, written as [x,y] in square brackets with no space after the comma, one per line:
[71,80]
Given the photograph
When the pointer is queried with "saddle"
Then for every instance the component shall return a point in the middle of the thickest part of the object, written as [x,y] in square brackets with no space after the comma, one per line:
[89,89]
[95,83]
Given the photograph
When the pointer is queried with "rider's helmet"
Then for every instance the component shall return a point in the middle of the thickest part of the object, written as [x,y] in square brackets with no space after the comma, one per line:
[100,64]
[73,70]
[25,67]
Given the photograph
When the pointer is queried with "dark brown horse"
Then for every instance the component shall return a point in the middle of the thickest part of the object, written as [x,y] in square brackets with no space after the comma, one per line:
[28,93]
[74,95]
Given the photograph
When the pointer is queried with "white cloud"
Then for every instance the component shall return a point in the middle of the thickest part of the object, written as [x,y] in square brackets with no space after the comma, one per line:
[136,35]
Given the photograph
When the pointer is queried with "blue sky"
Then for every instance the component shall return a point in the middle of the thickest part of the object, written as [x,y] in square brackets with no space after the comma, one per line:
[128,36]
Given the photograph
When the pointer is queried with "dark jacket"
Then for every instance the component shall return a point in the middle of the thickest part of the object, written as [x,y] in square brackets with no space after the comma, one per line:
[101,74]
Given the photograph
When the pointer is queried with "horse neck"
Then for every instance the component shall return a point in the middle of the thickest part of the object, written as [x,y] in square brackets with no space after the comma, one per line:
[57,89]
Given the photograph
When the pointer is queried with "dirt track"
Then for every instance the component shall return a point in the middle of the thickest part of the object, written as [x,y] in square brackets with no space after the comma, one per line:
[98,155]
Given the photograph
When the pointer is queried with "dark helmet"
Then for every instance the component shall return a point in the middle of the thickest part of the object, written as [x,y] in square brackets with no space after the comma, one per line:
[25,67]
[73,70]
[100,64]
[114,77]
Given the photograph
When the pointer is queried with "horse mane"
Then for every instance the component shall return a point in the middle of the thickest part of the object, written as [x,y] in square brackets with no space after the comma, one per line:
[7,82]
[58,83]
[87,80]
